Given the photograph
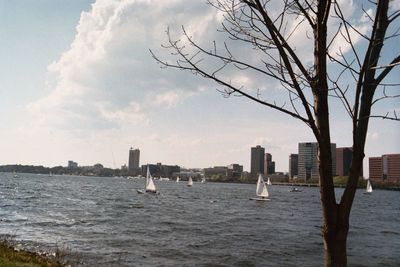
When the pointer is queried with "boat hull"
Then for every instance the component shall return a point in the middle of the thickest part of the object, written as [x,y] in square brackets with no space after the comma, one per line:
[260,199]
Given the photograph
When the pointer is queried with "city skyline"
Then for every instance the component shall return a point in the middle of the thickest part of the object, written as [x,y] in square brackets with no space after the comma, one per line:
[79,83]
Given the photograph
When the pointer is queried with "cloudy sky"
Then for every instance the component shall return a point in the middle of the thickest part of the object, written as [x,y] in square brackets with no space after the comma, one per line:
[78,83]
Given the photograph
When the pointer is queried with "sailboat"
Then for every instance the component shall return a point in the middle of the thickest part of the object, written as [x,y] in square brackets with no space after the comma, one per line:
[177,179]
[269,182]
[150,187]
[203,180]
[261,190]
[190,181]
[369,188]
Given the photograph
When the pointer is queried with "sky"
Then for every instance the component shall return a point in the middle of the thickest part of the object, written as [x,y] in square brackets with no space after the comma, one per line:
[78,83]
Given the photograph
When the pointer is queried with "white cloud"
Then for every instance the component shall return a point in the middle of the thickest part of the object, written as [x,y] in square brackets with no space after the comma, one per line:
[108,77]
[373,135]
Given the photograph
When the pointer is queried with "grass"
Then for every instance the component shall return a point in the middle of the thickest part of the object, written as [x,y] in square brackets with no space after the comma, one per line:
[10,257]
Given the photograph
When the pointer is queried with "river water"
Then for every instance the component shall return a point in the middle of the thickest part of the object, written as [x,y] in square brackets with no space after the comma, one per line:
[105,222]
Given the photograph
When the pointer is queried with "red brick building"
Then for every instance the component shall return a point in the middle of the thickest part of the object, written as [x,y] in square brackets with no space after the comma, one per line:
[391,168]
[385,168]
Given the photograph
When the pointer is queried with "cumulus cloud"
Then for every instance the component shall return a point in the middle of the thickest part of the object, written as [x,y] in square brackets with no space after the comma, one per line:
[107,76]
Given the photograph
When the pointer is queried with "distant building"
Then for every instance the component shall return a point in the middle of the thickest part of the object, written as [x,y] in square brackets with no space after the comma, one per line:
[308,165]
[344,156]
[278,177]
[257,160]
[391,168]
[269,165]
[231,172]
[385,168]
[217,170]
[72,164]
[133,162]
[186,173]
[293,165]
[375,169]
[234,171]
[308,162]
[160,170]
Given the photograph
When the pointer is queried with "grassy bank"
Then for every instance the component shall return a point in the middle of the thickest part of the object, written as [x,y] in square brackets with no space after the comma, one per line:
[9,257]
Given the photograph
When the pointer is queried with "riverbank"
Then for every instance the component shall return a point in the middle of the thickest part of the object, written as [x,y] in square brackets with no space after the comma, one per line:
[12,257]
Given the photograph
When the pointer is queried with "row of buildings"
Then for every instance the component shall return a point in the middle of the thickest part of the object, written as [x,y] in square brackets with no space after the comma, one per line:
[303,166]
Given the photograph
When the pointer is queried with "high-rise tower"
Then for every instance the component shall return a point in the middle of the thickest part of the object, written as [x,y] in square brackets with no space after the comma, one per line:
[133,164]
[293,165]
[257,160]
[308,165]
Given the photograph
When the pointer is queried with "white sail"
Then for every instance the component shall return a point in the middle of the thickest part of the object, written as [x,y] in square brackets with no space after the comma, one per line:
[269,182]
[261,190]
[177,179]
[369,187]
[150,187]
[190,181]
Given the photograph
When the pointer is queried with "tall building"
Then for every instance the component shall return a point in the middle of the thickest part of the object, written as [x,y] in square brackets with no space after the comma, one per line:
[257,160]
[307,161]
[308,165]
[269,165]
[133,163]
[293,165]
[344,156]
[385,168]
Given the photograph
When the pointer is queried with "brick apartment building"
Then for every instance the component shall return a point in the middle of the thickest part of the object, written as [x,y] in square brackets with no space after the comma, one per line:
[385,168]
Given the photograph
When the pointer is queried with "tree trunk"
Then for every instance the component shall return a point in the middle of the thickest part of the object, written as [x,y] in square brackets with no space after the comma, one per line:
[335,246]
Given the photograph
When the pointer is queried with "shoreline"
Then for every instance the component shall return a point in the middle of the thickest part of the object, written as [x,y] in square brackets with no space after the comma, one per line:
[12,256]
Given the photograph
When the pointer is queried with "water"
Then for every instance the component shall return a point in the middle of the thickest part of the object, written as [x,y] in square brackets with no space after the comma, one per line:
[105,222]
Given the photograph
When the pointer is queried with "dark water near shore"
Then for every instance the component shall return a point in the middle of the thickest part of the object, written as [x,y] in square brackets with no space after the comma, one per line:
[107,223]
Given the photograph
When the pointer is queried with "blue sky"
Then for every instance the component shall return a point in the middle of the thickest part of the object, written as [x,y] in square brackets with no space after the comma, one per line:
[78,83]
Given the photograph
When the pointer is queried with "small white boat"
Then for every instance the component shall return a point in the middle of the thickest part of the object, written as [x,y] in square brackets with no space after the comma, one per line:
[150,186]
[177,179]
[295,189]
[269,182]
[369,188]
[203,180]
[261,190]
[190,181]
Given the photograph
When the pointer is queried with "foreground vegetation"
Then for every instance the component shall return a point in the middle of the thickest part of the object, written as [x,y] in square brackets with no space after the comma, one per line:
[10,257]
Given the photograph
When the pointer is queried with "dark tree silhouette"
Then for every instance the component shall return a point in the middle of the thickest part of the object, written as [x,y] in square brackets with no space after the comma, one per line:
[357,80]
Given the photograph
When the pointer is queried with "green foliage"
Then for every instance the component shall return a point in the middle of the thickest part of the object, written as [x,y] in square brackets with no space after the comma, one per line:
[97,170]
[340,181]
[9,257]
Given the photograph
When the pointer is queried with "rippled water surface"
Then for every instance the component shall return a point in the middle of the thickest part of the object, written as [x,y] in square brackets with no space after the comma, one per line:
[107,223]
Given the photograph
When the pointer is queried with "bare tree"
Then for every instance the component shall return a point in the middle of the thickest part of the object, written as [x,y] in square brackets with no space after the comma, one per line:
[357,81]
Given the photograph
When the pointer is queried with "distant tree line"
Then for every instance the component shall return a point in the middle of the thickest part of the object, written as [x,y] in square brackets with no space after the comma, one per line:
[96,170]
